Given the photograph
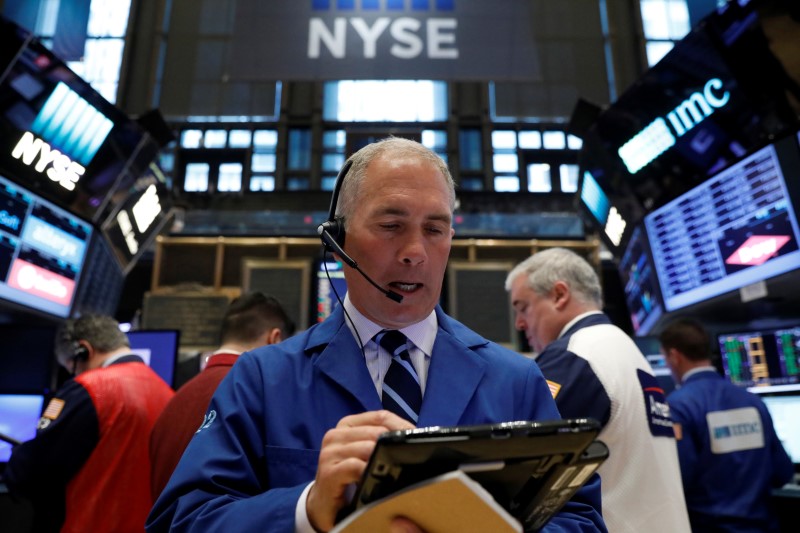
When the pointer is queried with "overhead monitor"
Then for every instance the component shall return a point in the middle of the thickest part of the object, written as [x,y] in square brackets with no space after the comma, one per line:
[42,251]
[138,216]
[159,349]
[765,360]
[61,138]
[610,217]
[717,95]
[737,228]
[640,284]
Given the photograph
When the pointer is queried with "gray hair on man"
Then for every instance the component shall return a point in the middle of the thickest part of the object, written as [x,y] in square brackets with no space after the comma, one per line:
[543,269]
[393,146]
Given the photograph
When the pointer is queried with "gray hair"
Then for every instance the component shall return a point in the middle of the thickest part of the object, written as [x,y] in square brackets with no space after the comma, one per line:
[395,146]
[101,331]
[543,269]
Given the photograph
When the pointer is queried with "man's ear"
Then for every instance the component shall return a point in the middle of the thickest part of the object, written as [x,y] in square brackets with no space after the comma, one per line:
[274,336]
[561,294]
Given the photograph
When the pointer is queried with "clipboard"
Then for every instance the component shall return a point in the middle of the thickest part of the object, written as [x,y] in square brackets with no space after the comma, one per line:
[530,468]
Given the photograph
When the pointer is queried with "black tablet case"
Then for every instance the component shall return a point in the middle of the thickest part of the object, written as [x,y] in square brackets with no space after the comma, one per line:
[530,468]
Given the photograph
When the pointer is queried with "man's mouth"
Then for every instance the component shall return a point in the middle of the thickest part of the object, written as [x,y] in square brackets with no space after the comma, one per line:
[405,287]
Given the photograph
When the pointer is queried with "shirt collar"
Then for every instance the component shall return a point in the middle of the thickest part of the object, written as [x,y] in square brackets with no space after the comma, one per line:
[575,321]
[113,359]
[697,370]
[422,334]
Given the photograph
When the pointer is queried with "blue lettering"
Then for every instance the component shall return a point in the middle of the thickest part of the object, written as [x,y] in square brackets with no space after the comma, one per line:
[8,220]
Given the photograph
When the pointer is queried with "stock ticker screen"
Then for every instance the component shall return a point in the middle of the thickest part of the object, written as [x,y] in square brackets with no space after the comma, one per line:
[42,251]
[737,228]
[762,358]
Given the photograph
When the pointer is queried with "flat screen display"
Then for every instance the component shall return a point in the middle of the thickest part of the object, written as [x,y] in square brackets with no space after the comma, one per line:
[329,282]
[19,416]
[61,138]
[766,360]
[737,228]
[783,409]
[159,349]
[137,218]
[640,284]
[42,251]
[609,217]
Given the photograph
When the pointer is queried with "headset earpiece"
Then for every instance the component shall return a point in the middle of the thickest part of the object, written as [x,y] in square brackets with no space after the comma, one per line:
[336,230]
[334,226]
[80,352]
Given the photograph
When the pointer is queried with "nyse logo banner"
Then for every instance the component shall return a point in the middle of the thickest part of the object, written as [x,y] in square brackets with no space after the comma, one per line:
[384,39]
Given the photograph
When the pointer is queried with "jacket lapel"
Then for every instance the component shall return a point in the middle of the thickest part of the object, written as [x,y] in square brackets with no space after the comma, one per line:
[453,376]
[342,361]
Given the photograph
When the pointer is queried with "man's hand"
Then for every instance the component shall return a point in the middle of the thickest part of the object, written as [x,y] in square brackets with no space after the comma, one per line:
[342,460]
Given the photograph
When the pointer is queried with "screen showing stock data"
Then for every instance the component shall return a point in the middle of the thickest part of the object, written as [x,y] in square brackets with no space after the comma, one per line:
[735,229]
[766,358]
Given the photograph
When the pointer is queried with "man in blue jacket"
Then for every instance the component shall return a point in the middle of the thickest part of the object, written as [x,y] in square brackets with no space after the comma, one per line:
[730,456]
[291,427]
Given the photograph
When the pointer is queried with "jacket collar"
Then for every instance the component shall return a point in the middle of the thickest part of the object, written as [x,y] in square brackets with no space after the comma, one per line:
[453,376]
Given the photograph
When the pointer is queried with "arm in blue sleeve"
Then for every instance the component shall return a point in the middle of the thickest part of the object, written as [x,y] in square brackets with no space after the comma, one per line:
[580,393]
[221,482]
[62,445]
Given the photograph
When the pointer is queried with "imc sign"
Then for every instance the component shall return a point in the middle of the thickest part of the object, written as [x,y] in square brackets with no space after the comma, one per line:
[385,39]
[661,135]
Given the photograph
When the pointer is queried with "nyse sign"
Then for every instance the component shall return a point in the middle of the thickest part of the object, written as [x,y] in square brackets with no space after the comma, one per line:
[34,152]
[406,40]
[388,39]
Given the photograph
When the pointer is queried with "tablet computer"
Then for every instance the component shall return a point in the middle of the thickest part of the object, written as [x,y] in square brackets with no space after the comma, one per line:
[530,468]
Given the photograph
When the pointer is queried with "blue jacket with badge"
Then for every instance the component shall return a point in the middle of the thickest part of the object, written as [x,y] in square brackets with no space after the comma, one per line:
[259,447]
[727,474]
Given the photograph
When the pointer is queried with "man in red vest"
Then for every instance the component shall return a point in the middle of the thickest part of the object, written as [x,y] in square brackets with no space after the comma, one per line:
[88,467]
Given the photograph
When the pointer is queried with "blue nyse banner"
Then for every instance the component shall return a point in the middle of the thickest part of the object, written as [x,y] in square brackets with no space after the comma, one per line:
[385,39]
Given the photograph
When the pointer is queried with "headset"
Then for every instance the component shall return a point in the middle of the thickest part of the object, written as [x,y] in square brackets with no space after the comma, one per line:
[332,234]
[79,351]
[332,230]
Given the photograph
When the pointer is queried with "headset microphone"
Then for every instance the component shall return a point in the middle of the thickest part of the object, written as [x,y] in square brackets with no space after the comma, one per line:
[332,234]
[331,243]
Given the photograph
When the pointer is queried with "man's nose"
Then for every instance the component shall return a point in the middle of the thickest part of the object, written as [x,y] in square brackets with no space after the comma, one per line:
[413,250]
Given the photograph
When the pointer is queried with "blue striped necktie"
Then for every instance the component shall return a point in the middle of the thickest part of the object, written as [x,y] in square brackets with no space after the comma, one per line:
[402,394]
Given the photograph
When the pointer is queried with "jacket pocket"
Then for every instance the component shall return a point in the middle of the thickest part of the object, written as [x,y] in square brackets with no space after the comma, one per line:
[287,467]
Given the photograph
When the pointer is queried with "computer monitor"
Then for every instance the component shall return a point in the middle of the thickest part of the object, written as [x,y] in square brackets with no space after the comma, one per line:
[737,228]
[159,349]
[329,288]
[19,417]
[764,360]
[783,409]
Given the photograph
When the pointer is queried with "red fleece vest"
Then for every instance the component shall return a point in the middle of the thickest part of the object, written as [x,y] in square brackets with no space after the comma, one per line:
[111,492]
